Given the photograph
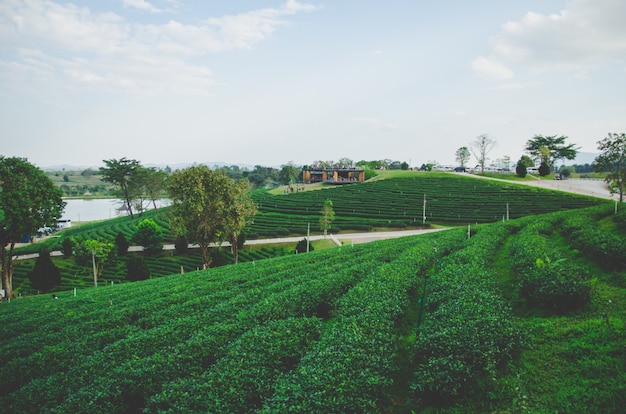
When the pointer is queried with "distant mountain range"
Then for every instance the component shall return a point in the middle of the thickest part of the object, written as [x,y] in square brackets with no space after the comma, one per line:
[174,167]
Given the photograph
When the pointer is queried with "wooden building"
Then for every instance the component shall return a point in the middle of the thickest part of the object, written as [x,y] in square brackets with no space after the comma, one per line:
[333,175]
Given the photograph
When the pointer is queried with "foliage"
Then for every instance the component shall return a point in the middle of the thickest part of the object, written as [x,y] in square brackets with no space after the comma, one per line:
[328,215]
[288,174]
[555,146]
[544,169]
[149,235]
[304,246]
[67,247]
[520,169]
[30,201]
[122,173]
[96,253]
[613,160]
[137,268]
[45,275]
[121,243]
[181,245]
[208,206]
[462,156]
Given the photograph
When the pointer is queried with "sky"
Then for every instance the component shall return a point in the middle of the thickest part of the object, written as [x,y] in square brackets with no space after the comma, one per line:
[269,82]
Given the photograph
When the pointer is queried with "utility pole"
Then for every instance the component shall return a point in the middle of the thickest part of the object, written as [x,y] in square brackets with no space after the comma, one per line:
[424,211]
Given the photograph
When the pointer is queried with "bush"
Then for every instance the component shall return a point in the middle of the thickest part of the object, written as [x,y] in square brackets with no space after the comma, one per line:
[181,245]
[67,247]
[45,275]
[520,169]
[122,244]
[301,247]
[544,169]
[149,235]
[556,287]
[137,268]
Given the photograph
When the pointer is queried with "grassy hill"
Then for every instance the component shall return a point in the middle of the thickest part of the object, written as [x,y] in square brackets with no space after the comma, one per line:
[525,316]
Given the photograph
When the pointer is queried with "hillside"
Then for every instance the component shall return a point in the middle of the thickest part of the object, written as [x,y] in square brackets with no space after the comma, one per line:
[525,316]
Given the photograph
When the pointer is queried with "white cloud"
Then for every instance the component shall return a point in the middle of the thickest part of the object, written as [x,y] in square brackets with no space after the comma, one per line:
[86,50]
[490,68]
[585,35]
[141,5]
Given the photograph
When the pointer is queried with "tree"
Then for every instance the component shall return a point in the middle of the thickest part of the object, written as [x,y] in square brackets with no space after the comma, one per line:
[149,235]
[30,201]
[288,174]
[153,184]
[202,206]
[328,215]
[121,174]
[122,244]
[556,146]
[544,169]
[137,268]
[303,245]
[462,156]
[67,247]
[520,169]
[97,253]
[240,208]
[45,275]
[612,159]
[480,147]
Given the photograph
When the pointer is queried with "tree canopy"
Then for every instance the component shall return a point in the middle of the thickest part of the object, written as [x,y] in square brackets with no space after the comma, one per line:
[30,201]
[613,160]
[121,173]
[480,147]
[550,149]
[208,206]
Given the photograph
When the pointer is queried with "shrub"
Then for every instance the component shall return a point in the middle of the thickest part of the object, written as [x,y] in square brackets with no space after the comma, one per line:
[301,247]
[149,235]
[67,247]
[137,268]
[181,245]
[122,244]
[45,275]
[558,287]
[520,169]
[544,169]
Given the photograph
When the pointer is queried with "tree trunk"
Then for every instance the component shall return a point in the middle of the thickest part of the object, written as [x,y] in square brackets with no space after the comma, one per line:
[7,269]
[234,248]
[206,260]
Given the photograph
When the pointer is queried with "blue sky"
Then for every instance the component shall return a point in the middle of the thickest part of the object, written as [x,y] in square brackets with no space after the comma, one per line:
[272,81]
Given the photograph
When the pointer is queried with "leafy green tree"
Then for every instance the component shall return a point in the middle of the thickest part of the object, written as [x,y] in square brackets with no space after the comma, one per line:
[558,150]
[462,156]
[328,216]
[122,173]
[612,159]
[520,169]
[137,268]
[30,201]
[481,147]
[239,208]
[121,243]
[45,275]
[544,169]
[205,206]
[303,245]
[181,245]
[96,253]
[67,247]
[288,173]
[149,235]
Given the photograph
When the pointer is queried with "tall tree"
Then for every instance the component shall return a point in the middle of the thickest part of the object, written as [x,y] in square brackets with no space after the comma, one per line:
[121,173]
[328,216]
[480,147]
[288,173]
[30,201]
[95,253]
[240,208]
[153,184]
[202,203]
[612,159]
[557,149]
[462,156]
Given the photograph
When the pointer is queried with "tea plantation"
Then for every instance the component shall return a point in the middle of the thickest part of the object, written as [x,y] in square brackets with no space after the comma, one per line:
[526,315]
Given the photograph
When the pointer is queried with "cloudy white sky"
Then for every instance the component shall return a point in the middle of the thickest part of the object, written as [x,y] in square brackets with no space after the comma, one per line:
[272,81]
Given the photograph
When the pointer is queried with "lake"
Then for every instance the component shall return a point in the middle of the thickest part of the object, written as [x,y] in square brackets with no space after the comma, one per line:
[78,210]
